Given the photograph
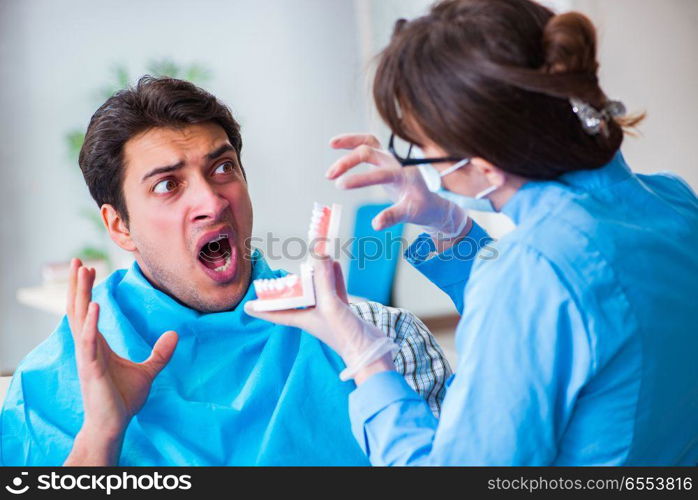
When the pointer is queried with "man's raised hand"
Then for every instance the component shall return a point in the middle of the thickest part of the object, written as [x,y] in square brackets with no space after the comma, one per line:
[113,388]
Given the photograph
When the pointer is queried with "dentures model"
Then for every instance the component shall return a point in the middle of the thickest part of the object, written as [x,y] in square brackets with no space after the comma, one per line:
[297,290]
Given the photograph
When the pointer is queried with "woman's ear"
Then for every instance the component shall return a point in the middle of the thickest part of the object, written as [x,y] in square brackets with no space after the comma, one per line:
[117,227]
[494,175]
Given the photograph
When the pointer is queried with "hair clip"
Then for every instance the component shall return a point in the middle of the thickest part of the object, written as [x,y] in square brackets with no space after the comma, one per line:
[594,121]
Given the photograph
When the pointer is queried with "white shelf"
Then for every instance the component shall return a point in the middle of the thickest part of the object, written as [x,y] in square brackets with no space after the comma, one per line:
[4,384]
[48,298]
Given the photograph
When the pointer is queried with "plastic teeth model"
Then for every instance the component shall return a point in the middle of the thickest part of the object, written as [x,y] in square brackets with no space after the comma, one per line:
[297,290]
[324,229]
[289,292]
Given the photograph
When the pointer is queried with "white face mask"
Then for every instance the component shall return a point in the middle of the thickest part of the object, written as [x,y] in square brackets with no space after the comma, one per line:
[432,178]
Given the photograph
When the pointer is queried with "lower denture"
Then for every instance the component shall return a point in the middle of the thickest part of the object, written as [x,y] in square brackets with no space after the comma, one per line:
[293,291]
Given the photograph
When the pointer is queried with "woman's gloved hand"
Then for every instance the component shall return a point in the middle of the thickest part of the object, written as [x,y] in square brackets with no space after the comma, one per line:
[413,202]
[333,322]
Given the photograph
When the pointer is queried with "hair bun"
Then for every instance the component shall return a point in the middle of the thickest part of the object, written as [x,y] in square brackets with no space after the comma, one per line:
[569,42]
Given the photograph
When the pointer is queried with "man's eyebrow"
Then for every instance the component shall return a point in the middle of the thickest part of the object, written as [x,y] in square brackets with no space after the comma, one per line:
[162,170]
[220,151]
[171,168]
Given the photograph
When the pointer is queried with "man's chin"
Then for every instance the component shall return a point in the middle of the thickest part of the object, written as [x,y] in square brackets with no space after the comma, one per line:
[218,303]
[199,292]
[220,296]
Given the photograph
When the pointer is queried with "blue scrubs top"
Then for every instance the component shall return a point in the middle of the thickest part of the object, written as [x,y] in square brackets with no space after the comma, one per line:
[578,342]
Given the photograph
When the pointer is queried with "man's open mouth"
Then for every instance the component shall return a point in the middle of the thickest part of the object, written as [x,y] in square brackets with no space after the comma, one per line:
[217,256]
[216,253]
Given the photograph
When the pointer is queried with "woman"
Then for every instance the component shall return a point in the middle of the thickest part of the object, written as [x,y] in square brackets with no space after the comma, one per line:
[577,341]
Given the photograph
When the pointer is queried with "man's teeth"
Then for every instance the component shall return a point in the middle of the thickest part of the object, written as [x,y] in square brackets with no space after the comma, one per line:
[225,266]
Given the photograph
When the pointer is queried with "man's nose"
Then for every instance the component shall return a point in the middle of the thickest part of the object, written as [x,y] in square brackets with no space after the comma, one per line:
[207,202]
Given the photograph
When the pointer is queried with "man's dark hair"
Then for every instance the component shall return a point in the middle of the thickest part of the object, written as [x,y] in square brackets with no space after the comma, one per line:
[153,102]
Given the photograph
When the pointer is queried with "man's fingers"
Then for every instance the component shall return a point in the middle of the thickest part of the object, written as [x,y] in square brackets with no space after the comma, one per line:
[370,178]
[72,287]
[362,154]
[350,141]
[88,337]
[162,352]
[340,287]
[82,298]
[83,295]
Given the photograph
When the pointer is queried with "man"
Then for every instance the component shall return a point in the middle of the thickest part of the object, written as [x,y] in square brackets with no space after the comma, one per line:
[162,160]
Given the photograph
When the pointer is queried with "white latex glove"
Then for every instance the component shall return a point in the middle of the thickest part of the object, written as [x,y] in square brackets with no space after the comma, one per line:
[413,202]
[332,320]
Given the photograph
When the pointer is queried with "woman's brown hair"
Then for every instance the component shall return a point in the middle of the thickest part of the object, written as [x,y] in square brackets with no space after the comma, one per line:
[493,78]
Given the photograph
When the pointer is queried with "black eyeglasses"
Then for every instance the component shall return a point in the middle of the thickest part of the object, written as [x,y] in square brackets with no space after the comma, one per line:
[406,161]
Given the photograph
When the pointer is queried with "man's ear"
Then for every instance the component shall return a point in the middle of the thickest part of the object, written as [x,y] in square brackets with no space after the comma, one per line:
[495,176]
[118,230]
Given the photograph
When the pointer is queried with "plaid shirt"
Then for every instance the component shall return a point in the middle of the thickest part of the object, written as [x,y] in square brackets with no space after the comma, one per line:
[420,359]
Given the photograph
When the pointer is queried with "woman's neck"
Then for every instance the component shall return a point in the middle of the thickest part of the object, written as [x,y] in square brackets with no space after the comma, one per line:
[504,193]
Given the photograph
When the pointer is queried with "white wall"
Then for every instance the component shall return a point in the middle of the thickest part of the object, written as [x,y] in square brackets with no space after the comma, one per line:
[648,60]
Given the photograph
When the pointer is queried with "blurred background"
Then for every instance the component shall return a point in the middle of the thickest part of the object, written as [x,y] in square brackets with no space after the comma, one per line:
[294,73]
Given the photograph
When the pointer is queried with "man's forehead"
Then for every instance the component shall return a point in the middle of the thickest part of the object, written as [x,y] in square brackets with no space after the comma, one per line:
[167,145]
